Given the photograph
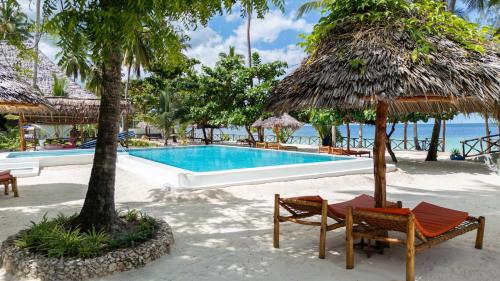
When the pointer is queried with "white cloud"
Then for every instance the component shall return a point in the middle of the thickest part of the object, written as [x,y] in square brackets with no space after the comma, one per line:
[206,43]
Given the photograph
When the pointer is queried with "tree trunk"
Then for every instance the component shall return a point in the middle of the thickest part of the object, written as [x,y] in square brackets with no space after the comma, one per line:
[249,45]
[211,135]
[125,117]
[379,166]
[205,139]
[37,40]
[443,138]
[166,133]
[452,5]
[415,137]
[388,143]
[360,135]
[348,132]
[487,130]
[250,136]
[174,137]
[260,133]
[433,146]
[334,136]
[405,135]
[99,207]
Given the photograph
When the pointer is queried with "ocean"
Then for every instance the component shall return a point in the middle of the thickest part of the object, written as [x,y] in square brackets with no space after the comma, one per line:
[454,132]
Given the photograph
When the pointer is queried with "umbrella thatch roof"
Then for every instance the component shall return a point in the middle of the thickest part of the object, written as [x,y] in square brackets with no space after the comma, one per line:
[17,96]
[354,66]
[70,111]
[283,121]
[10,61]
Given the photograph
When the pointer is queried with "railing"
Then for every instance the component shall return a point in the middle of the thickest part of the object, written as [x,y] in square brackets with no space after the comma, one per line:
[480,146]
[396,144]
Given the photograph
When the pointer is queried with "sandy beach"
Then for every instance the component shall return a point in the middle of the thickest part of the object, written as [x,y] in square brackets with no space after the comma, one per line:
[226,233]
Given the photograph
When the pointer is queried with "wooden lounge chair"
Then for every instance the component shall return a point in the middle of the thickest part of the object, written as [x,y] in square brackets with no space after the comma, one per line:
[429,223]
[324,149]
[261,145]
[274,145]
[308,206]
[358,153]
[7,178]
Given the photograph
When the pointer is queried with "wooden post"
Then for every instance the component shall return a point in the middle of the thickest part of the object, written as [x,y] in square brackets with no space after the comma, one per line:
[322,236]
[487,130]
[334,136]
[276,233]
[277,129]
[480,233]
[443,149]
[22,142]
[379,167]
[410,249]
[349,245]
[405,137]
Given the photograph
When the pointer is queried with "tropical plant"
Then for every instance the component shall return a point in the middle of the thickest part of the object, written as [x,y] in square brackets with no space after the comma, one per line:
[59,86]
[9,139]
[310,6]
[455,152]
[107,27]
[14,26]
[166,116]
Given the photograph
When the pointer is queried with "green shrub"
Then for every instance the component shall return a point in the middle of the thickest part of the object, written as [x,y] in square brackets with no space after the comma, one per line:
[140,143]
[9,140]
[56,238]
[455,151]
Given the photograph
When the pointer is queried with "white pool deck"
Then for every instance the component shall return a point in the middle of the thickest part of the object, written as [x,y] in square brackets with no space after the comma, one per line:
[173,177]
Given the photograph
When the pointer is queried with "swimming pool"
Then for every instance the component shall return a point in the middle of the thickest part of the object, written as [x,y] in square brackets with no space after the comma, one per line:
[48,153]
[219,158]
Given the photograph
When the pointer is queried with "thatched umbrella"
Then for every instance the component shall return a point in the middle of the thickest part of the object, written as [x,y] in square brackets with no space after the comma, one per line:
[17,96]
[278,122]
[386,77]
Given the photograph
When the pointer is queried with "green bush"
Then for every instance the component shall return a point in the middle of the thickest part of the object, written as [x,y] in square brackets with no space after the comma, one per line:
[56,238]
[9,140]
[140,143]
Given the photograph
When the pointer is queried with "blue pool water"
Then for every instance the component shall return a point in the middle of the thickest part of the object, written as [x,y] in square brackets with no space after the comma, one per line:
[46,153]
[217,158]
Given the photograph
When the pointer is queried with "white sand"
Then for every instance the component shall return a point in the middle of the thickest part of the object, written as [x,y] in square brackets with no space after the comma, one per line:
[226,234]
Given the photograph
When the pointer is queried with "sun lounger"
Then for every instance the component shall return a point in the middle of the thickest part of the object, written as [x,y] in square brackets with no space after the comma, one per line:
[429,223]
[121,138]
[274,145]
[308,206]
[6,178]
[261,145]
[324,149]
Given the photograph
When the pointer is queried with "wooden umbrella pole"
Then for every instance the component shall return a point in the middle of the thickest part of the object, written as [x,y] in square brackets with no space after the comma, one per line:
[379,167]
[348,130]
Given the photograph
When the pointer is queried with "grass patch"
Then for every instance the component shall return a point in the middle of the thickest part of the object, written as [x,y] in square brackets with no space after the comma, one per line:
[56,238]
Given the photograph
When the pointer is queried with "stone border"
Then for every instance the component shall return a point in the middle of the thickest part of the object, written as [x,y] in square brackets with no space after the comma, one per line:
[23,263]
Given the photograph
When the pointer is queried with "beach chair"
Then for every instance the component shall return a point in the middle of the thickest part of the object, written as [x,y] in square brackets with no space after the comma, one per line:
[357,153]
[429,223]
[6,178]
[309,206]
[261,145]
[274,145]
[324,149]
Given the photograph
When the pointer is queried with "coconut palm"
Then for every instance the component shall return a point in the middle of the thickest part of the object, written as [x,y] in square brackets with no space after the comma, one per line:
[13,22]
[60,86]
[74,64]
[310,6]
[261,7]
[166,117]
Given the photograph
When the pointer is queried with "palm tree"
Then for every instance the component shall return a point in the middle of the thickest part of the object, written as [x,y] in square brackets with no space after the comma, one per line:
[261,8]
[310,6]
[166,117]
[13,22]
[60,86]
[74,64]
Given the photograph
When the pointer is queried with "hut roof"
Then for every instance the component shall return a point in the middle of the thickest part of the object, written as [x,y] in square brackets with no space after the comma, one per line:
[283,121]
[17,96]
[45,81]
[354,66]
[70,111]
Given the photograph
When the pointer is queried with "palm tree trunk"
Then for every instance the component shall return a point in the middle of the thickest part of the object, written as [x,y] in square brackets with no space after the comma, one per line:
[433,146]
[452,5]
[405,135]
[37,40]
[125,117]
[348,132]
[334,136]
[250,136]
[360,135]
[487,130]
[249,45]
[99,207]
[443,149]
[415,137]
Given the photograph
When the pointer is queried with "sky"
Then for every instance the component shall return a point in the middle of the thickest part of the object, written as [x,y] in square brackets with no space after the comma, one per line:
[275,38]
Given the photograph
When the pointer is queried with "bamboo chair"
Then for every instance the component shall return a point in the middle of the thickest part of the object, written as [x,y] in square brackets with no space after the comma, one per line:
[261,145]
[7,178]
[420,223]
[309,206]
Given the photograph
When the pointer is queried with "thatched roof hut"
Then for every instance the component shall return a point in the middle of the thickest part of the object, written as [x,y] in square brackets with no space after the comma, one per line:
[16,96]
[357,66]
[46,68]
[451,77]
[283,121]
[70,111]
